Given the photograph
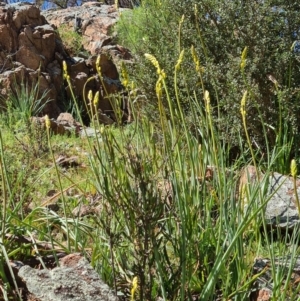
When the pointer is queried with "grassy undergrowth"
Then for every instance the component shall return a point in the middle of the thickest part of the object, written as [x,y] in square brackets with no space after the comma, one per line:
[171,217]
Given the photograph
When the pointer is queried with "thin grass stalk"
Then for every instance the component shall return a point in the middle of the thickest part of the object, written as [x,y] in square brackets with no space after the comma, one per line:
[222,257]
[48,125]
[3,224]
[84,96]
[4,190]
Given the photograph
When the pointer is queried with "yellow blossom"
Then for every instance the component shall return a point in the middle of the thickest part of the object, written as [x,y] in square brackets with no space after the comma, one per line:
[199,69]
[207,101]
[125,77]
[47,122]
[98,67]
[90,96]
[293,168]
[154,61]
[96,99]
[65,69]
[134,287]
[158,89]
[180,59]
[244,58]
[243,104]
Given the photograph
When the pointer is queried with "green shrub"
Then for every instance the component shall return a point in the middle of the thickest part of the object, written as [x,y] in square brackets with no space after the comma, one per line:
[219,31]
[71,39]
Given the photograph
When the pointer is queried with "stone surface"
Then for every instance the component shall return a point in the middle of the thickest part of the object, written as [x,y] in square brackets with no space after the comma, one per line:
[265,284]
[58,126]
[27,46]
[74,280]
[281,208]
[31,52]
[93,20]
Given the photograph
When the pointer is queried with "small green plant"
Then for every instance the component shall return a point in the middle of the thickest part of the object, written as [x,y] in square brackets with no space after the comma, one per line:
[71,39]
[22,104]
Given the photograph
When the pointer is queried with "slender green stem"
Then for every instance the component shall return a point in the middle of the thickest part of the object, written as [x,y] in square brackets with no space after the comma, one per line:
[61,189]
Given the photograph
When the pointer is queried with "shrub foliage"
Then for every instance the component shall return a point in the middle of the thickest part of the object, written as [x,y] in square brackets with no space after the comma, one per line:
[219,31]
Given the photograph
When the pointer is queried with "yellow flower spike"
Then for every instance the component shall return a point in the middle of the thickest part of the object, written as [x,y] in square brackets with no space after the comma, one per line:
[98,66]
[243,104]
[294,168]
[98,61]
[134,287]
[180,59]
[96,99]
[154,61]
[196,60]
[244,58]
[65,69]
[47,122]
[181,21]
[293,46]
[125,77]
[90,96]
[207,101]
[158,89]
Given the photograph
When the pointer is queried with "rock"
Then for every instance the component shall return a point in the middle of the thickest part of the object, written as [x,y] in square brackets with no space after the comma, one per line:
[281,208]
[93,20]
[31,52]
[90,132]
[67,119]
[67,162]
[264,284]
[74,280]
[64,124]
[28,46]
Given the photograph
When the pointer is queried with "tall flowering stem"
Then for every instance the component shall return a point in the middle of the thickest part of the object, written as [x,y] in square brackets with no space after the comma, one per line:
[177,68]
[244,58]
[294,175]
[48,128]
[244,120]
[66,77]
[179,32]
[160,83]
[198,67]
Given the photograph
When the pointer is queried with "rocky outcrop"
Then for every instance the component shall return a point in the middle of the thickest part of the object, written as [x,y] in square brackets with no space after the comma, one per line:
[264,285]
[124,3]
[32,52]
[281,209]
[27,47]
[74,279]
[94,21]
